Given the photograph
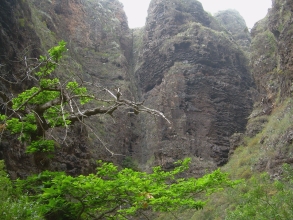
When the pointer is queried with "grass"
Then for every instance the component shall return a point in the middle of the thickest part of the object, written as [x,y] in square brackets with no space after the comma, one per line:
[21,22]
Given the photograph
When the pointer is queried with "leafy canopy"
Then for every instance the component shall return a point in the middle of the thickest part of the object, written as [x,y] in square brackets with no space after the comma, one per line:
[114,194]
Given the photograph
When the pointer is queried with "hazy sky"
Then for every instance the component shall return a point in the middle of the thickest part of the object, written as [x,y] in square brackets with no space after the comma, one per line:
[251,10]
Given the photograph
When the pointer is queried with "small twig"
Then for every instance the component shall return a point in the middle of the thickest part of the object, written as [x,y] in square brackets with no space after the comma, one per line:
[30,98]
[79,112]
[104,145]
[70,104]
[106,212]
[63,115]
[174,215]
[8,81]
[107,90]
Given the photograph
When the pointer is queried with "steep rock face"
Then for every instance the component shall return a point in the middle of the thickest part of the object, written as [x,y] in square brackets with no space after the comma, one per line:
[272,62]
[271,54]
[233,22]
[191,70]
[280,24]
[99,45]
[96,31]
[17,41]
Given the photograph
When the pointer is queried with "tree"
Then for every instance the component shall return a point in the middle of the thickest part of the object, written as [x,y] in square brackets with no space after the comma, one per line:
[114,194]
[52,103]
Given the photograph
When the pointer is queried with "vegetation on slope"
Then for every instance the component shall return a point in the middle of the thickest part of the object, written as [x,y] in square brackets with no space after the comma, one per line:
[261,195]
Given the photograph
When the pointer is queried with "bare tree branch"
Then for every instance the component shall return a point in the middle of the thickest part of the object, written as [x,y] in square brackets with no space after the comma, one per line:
[5,80]
[89,112]
[107,212]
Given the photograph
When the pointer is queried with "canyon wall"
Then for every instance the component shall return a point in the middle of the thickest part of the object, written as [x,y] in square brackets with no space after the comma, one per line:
[191,68]
[184,62]
[271,63]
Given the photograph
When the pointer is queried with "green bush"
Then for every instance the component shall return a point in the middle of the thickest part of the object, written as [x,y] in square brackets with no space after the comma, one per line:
[262,198]
[13,203]
[114,194]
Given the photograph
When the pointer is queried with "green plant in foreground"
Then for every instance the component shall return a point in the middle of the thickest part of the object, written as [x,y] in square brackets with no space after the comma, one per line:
[13,203]
[114,194]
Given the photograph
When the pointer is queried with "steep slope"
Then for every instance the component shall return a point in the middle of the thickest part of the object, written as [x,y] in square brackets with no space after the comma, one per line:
[17,40]
[271,60]
[193,71]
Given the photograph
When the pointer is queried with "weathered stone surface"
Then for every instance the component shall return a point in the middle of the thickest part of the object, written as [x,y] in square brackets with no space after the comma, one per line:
[271,57]
[17,41]
[191,70]
[235,25]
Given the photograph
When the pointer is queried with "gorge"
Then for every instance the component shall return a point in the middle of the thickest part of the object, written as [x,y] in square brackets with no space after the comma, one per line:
[208,75]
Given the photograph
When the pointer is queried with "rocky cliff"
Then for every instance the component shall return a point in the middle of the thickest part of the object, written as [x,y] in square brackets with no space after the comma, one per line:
[191,69]
[271,50]
[270,123]
[184,63]
[267,143]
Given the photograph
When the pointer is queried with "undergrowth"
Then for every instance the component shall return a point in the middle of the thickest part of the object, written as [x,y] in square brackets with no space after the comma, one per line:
[260,195]
[13,203]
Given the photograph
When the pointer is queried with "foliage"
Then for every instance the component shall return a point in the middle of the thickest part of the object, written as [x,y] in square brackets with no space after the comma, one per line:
[27,115]
[257,154]
[265,199]
[128,162]
[14,204]
[259,197]
[40,146]
[108,194]
[114,194]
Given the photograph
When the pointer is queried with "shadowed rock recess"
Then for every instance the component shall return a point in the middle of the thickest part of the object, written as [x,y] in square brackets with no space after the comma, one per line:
[184,62]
